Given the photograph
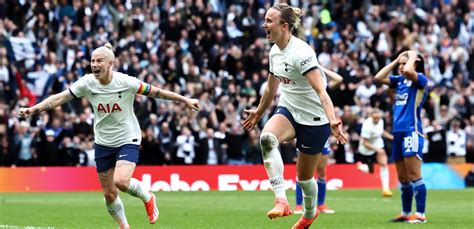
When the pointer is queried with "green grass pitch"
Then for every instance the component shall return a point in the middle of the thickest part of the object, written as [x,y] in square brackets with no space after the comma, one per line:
[354,209]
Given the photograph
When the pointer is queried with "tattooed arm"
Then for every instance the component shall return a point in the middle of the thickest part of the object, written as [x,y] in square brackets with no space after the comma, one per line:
[48,104]
[155,92]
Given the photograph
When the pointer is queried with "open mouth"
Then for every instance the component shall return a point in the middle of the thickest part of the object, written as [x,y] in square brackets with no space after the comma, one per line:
[96,71]
[267,33]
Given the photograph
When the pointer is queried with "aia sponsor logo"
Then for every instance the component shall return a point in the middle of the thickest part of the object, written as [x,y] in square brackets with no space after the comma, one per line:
[108,108]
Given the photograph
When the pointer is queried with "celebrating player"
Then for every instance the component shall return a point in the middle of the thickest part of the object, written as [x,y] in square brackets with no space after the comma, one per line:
[117,132]
[304,111]
[408,138]
[371,147]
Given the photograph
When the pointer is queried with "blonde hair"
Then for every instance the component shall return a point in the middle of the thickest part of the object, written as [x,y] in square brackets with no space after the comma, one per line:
[375,111]
[106,50]
[289,14]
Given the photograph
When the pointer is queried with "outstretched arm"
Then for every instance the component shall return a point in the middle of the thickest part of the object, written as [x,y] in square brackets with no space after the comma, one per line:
[254,115]
[48,104]
[156,92]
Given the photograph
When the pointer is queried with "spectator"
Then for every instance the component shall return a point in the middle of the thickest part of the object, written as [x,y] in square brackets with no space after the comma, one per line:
[149,149]
[456,138]
[234,139]
[48,150]
[185,145]
[70,150]
[437,143]
[210,150]
[166,142]
[24,146]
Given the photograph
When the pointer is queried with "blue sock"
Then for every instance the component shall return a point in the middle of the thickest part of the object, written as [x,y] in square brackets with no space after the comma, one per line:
[407,196]
[299,195]
[321,191]
[420,195]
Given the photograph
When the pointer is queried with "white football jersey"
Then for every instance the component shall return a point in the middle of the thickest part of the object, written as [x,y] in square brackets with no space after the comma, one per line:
[115,123]
[289,66]
[373,132]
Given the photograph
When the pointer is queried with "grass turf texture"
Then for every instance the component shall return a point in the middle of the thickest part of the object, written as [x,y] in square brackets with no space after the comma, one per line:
[354,209]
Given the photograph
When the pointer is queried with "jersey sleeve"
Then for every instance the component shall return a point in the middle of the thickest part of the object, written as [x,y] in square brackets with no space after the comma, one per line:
[421,81]
[78,88]
[133,83]
[139,87]
[365,131]
[306,61]
[394,81]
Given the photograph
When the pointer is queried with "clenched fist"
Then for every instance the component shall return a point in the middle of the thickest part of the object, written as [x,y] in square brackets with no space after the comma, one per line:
[26,112]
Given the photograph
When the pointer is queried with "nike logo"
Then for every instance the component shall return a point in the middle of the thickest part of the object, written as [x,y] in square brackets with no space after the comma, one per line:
[306,147]
[123,155]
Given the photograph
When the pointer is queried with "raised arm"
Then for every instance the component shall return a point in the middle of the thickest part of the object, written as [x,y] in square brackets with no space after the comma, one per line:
[409,68]
[48,104]
[334,79]
[382,75]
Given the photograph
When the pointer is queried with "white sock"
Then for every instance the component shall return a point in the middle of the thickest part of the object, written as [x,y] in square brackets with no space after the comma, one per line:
[117,211]
[385,178]
[135,189]
[273,163]
[310,193]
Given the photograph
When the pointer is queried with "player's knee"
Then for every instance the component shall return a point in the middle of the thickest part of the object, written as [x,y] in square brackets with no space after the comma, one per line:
[304,176]
[413,175]
[110,196]
[268,141]
[122,184]
[403,178]
[321,174]
[321,170]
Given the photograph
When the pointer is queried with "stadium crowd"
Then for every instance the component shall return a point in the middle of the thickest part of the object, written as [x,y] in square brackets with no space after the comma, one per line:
[216,51]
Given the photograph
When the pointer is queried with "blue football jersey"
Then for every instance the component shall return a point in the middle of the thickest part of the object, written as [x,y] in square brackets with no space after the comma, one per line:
[409,99]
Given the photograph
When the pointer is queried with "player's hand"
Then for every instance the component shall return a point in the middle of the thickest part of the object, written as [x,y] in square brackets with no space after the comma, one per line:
[336,129]
[193,104]
[404,53]
[26,112]
[251,120]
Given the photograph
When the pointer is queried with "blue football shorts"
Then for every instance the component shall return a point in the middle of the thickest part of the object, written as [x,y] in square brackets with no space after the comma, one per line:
[106,157]
[327,148]
[407,144]
[309,139]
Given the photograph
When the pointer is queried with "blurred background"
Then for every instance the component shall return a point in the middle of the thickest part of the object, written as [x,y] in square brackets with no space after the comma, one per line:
[216,51]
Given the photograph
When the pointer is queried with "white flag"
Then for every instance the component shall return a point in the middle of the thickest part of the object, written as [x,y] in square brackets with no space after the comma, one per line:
[22,48]
[37,81]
